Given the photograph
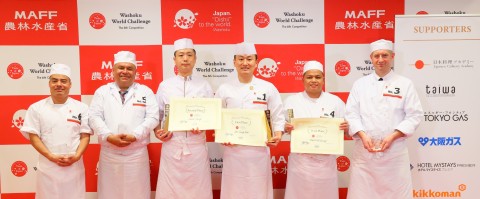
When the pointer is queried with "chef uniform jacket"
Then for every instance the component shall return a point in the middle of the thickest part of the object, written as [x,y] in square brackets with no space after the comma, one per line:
[313,176]
[59,127]
[124,172]
[378,108]
[247,170]
[184,163]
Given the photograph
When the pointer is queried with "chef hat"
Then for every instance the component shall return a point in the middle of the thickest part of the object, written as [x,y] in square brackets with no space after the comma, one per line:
[381,44]
[125,56]
[312,65]
[245,49]
[180,44]
[60,69]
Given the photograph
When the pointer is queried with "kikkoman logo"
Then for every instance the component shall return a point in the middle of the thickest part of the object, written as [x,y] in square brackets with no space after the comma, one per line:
[424,193]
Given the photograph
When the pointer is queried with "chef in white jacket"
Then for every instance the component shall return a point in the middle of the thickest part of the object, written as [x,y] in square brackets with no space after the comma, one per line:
[383,109]
[184,163]
[247,170]
[313,176]
[57,127]
[122,114]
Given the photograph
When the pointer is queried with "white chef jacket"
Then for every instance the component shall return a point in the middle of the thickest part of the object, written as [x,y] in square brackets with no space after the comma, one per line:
[313,175]
[184,163]
[59,127]
[124,172]
[247,170]
[378,108]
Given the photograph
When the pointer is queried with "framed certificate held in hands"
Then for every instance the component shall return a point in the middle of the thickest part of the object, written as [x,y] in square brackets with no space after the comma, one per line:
[243,127]
[190,113]
[317,135]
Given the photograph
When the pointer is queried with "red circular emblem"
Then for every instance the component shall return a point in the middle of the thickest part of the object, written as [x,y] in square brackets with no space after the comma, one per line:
[343,163]
[342,68]
[97,20]
[419,64]
[261,19]
[15,70]
[19,168]
[421,12]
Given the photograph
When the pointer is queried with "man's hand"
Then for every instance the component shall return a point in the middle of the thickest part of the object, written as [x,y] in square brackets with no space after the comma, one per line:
[273,142]
[162,135]
[367,141]
[118,140]
[288,127]
[196,131]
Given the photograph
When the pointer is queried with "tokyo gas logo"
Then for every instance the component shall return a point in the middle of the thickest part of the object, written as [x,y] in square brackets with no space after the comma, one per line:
[97,20]
[267,68]
[261,19]
[185,19]
[19,168]
[18,118]
[15,70]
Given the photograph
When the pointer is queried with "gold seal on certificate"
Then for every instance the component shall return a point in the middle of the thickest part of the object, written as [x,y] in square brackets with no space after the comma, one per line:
[317,135]
[243,127]
[190,113]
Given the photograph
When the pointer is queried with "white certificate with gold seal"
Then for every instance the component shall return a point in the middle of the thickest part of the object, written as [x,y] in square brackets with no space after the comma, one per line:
[317,136]
[191,113]
[243,127]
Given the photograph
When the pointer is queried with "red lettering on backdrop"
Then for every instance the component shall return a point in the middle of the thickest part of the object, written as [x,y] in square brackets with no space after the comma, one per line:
[44,22]
[356,22]
[215,22]
[97,65]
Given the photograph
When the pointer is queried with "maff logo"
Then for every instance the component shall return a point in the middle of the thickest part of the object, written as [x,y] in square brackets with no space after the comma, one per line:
[185,19]
[267,68]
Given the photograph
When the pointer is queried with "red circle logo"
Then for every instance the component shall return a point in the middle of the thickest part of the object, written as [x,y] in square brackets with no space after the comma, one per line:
[261,19]
[419,64]
[97,20]
[19,168]
[343,163]
[15,70]
[421,12]
[342,68]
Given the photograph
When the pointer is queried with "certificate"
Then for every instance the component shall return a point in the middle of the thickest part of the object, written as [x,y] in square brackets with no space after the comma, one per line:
[190,113]
[243,127]
[317,135]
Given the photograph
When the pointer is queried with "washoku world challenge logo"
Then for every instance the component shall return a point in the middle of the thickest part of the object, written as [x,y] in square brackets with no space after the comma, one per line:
[15,70]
